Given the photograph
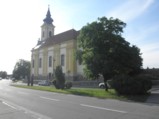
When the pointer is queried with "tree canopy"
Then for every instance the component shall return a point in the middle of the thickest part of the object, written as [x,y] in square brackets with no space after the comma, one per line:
[104,50]
[3,74]
[21,69]
[60,78]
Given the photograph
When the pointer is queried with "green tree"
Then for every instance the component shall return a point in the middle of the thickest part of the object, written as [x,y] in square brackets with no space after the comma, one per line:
[60,78]
[105,52]
[21,69]
[3,74]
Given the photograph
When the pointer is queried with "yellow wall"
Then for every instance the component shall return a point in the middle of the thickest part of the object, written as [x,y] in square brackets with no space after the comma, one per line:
[57,55]
[45,62]
[70,58]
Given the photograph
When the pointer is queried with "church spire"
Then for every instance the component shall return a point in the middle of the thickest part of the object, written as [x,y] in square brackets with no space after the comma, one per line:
[47,29]
[48,18]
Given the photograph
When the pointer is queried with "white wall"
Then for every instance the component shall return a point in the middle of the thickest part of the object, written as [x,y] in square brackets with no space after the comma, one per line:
[46,28]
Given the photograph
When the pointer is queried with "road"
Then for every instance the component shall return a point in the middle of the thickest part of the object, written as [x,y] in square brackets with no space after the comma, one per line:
[48,105]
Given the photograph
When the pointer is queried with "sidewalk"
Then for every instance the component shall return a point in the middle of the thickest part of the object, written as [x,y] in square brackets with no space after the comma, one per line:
[9,112]
[21,83]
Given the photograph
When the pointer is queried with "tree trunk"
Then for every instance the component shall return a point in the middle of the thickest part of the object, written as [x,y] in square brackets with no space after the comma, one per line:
[29,81]
[32,80]
[105,83]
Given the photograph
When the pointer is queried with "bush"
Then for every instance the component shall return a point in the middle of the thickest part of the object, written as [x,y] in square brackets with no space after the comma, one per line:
[68,85]
[146,83]
[124,84]
[55,84]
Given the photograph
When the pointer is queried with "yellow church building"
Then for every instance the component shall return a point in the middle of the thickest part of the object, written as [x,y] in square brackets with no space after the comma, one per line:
[54,50]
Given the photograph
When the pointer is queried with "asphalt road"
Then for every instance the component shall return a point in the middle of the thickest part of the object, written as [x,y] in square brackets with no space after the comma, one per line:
[47,105]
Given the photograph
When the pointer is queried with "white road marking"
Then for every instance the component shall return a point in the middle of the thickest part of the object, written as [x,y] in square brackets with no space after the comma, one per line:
[49,98]
[102,108]
[9,105]
[27,111]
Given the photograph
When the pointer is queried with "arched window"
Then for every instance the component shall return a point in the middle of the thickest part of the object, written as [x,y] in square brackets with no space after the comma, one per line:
[43,34]
[62,60]
[50,61]
[40,63]
[49,33]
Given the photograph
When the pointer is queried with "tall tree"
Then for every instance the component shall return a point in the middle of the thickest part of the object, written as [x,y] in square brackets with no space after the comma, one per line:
[21,69]
[3,74]
[104,50]
[60,78]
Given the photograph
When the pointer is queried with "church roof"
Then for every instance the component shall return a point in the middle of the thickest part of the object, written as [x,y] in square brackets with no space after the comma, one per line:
[62,37]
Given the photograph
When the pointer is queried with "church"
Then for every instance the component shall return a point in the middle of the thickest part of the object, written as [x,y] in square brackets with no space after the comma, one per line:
[54,50]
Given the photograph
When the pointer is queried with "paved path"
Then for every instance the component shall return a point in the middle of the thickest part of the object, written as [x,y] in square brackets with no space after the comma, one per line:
[154,97]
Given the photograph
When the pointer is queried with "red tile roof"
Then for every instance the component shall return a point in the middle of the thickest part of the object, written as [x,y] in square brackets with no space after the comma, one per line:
[62,37]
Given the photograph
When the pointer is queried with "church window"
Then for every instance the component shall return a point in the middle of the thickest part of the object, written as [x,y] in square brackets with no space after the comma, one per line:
[49,33]
[50,61]
[40,62]
[43,34]
[62,60]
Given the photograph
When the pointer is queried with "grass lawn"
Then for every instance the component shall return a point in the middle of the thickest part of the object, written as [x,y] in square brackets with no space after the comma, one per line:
[91,92]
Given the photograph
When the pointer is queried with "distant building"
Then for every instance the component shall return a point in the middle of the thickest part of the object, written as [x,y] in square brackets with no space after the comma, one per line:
[53,50]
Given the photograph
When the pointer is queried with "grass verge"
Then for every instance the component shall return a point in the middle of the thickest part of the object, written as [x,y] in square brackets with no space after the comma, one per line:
[91,92]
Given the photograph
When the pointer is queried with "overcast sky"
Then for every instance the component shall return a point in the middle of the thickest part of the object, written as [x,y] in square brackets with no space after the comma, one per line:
[20,22]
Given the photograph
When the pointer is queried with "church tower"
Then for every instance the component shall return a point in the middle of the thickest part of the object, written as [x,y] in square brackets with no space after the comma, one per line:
[47,29]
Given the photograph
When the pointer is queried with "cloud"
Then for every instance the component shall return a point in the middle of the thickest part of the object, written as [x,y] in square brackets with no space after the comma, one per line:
[131,9]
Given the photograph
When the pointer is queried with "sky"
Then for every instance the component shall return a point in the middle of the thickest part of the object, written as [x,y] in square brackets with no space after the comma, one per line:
[21,20]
